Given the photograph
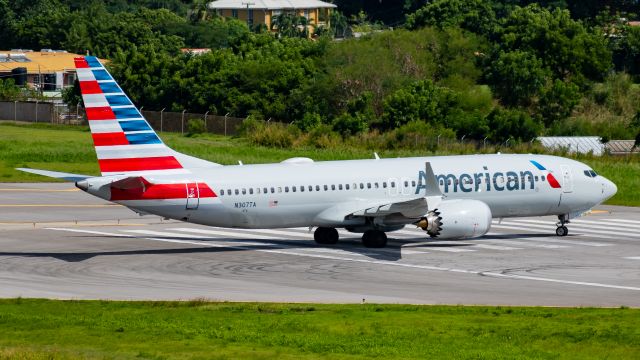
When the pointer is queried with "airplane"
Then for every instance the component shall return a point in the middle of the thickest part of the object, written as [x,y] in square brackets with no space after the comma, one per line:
[449,197]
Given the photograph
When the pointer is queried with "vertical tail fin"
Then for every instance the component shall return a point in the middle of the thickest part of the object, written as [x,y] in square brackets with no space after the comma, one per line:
[123,139]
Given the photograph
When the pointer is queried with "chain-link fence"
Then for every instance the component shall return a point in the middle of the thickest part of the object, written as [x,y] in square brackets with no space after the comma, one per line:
[179,121]
[35,111]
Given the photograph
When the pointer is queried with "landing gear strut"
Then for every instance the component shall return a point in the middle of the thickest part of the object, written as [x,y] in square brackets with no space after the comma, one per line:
[374,239]
[326,236]
[562,230]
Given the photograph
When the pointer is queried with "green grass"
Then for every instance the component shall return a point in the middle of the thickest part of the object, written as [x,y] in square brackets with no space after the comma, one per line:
[70,149]
[33,329]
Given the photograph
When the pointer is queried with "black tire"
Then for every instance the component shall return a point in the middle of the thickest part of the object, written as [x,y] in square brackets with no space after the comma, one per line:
[562,231]
[326,236]
[374,239]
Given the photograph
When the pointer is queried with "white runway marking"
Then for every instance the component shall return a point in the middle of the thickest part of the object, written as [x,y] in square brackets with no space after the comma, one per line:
[554,241]
[585,228]
[633,257]
[626,221]
[605,224]
[371,261]
[547,230]
[519,242]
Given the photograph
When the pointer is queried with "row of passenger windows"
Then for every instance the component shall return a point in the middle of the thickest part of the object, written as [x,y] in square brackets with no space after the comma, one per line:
[311,188]
[333,187]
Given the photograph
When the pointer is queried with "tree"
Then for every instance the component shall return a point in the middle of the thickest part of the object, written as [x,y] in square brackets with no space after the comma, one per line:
[289,25]
[473,15]
[558,101]
[422,101]
[566,47]
[516,77]
[505,124]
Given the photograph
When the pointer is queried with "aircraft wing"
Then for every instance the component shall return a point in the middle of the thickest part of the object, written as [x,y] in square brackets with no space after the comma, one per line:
[57,174]
[410,208]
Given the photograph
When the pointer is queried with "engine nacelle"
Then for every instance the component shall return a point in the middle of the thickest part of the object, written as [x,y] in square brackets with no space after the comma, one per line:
[457,219]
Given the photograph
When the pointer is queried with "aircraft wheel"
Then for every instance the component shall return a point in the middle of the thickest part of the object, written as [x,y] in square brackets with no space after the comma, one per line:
[324,236]
[562,231]
[374,239]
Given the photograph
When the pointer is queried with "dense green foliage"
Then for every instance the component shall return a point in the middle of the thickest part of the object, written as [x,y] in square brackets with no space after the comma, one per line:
[483,70]
[199,329]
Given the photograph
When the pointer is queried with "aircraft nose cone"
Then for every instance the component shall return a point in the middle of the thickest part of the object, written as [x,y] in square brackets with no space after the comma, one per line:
[608,189]
[82,185]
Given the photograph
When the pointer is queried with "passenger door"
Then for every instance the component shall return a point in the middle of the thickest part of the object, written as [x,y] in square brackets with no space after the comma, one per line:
[193,196]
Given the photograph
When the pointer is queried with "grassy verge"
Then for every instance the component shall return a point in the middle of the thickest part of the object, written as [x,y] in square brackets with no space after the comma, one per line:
[33,329]
[70,149]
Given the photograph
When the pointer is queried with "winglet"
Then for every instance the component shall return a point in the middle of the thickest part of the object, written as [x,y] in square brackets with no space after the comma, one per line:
[56,174]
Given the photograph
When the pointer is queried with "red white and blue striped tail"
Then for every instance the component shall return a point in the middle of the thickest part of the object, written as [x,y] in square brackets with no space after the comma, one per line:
[124,141]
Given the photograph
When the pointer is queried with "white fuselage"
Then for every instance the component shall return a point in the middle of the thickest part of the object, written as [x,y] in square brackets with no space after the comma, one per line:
[303,193]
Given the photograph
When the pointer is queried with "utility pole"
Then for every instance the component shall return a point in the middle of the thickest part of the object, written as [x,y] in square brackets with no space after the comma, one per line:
[248,4]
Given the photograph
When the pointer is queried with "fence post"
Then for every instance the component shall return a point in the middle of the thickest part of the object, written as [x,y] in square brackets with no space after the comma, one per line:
[161,111]
[182,122]
[37,111]
[15,110]
[225,123]
[206,129]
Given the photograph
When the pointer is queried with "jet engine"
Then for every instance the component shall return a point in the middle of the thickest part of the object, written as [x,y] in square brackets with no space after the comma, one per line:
[457,219]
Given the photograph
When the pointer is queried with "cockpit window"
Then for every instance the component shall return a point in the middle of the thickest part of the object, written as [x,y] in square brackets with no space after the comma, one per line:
[590,173]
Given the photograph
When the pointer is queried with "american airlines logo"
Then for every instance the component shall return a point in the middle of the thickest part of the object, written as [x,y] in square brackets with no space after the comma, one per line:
[488,181]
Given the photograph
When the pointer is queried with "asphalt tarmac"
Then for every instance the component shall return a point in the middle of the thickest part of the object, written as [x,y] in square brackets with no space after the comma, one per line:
[58,242]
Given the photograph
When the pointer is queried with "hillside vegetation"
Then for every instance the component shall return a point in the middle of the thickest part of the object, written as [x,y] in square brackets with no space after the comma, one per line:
[492,71]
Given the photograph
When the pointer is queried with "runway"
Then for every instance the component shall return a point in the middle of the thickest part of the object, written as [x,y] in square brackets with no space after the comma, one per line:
[56,242]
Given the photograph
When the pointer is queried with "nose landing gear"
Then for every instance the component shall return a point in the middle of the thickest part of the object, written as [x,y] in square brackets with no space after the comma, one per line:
[562,230]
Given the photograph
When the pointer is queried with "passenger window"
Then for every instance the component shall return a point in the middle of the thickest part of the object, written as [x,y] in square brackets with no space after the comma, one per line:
[273,190]
[222,192]
[244,191]
[339,186]
[229,191]
[251,191]
[293,188]
[413,183]
[333,187]
[361,186]
[301,188]
[393,184]
[237,192]
[310,188]
[264,190]
[376,185]
[317,187]
[279,189]
[368,185]
[286,189]
[326,188]
[346,186]
[384,184]
[406,184]
[441,182]
[536,178]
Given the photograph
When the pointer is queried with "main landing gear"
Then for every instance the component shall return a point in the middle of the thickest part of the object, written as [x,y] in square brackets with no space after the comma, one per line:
[326,236]
[374,239]
[370,238]
[562,230]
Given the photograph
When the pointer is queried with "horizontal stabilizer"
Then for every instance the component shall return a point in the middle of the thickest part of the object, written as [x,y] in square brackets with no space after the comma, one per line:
[57,174]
